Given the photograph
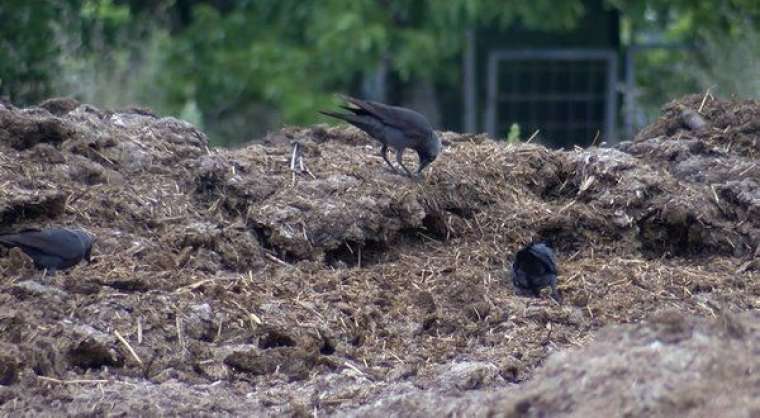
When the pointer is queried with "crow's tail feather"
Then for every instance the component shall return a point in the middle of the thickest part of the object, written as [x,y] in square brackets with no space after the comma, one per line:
[8,242]
[341,116]
[356,120]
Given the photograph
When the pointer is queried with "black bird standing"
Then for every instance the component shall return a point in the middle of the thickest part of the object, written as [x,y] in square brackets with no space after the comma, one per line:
[52,249]
[535,268]
[393,126]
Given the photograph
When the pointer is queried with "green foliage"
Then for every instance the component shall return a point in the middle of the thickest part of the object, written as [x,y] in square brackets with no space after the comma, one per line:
[513,136]
[686,19]
[293,55]
[728,63]
[27,57]
[241,67]
[662,75]
[234,65]
[723,37]
[105,11]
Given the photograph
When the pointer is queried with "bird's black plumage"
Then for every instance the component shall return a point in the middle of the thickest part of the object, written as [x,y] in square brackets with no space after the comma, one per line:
[396,127]
[52,249]
[535,268]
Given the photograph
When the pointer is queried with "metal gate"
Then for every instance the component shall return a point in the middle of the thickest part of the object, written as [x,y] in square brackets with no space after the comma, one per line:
[568,95]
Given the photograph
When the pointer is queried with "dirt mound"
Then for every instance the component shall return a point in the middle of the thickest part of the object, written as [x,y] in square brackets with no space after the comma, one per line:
[668,366]
[223,281]
[717,158]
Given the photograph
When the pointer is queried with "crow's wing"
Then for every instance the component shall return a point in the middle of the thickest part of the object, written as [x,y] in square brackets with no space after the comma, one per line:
[364,121]
[546,255]
[57,242]
[519,278]
[355,120]
[412,123]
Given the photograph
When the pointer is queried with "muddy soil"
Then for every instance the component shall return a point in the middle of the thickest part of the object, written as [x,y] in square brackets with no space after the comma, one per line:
[225,283]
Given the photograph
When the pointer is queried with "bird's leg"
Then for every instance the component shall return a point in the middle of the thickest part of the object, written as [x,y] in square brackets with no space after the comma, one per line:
[46,273]
[399,159]
[422,164]
[555,294]
[384,153]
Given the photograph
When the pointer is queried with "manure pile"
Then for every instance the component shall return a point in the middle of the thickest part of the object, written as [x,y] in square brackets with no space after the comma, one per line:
[224,283]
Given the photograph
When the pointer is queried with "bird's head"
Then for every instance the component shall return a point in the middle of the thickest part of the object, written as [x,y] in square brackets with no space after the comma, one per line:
[429,152]
[88,239]
[546,241]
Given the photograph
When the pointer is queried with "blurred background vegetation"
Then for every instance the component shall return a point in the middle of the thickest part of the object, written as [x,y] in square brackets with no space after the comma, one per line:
[239,68]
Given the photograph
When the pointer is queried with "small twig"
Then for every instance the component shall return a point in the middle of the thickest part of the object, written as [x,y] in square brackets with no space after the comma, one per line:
[745,171]
[277,260]
[299,167]
[178,323]
[255,318]
[594,143]
[102,156]
[535,134]
[704,100]
[572,202]
[309,308]
[135,249]
[72,382]
[293,157]
[193,286]
[354,368]
[73,198]
[129,347]
[715,195]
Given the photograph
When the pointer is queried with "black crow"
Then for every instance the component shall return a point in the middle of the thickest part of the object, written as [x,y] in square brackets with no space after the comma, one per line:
[52,249]
[393,126]
[535,268]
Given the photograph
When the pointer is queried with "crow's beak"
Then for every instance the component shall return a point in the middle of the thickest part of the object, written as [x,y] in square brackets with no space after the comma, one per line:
[424,162]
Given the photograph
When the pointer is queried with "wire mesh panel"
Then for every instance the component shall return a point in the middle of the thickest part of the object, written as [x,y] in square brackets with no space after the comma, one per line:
[566,95]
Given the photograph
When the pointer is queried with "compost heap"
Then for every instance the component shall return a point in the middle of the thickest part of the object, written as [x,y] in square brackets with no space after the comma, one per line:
[247,282]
